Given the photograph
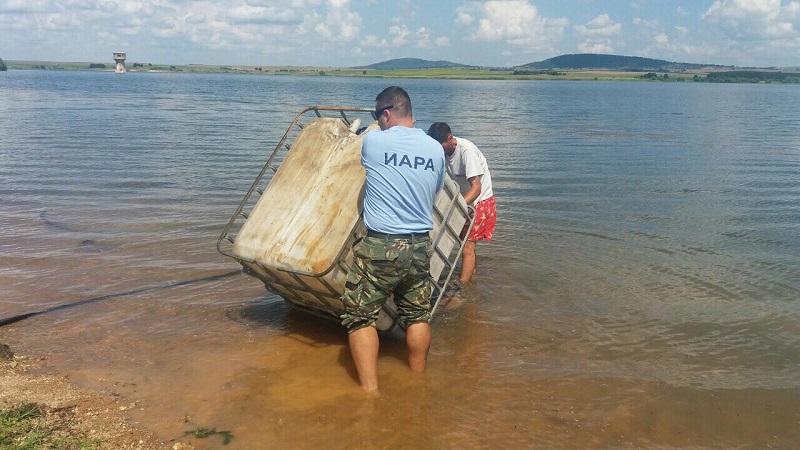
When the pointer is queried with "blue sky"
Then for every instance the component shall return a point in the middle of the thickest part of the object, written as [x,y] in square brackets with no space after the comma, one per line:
[343,33]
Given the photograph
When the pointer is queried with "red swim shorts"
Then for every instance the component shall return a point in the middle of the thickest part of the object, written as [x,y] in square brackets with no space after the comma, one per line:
[485,218]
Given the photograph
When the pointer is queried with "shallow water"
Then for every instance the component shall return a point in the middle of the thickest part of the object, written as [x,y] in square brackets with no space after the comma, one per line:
[642,288]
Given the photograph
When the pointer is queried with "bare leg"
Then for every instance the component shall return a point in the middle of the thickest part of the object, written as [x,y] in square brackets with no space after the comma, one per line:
[468,260]
[418,339]
[364,346]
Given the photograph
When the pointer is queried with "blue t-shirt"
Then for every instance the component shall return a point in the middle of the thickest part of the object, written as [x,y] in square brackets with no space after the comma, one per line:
[405,168]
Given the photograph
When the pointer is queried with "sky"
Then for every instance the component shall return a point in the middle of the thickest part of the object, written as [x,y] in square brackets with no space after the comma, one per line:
[345,33]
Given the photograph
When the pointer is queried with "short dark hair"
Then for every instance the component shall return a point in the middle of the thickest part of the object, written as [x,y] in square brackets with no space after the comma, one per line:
[397,97]
[439,131]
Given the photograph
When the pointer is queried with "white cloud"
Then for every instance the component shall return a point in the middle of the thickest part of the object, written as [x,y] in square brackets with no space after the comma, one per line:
[743,9]
[639,22]
[148,28]
[674,45]
[256,14]
[601,25]
[400,33]
[340,24]
[464,19]
[519,23]
[374,41]
[792,10]
[358,52]
[25,6]
[755,18]
[194,19]
[595,47]
[756,27]
[598,34]
[108,6]
[742,32]
[421,38]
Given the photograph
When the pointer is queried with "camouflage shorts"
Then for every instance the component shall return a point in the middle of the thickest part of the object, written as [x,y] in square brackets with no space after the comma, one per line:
[382,267]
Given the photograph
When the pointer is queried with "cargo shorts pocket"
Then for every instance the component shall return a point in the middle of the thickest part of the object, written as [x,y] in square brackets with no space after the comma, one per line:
[372,249]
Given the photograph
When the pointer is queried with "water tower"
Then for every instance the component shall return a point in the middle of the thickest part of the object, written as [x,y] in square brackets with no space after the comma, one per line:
[119,57]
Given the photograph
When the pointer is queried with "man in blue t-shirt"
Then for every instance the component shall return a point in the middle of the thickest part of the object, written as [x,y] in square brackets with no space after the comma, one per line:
[404,169]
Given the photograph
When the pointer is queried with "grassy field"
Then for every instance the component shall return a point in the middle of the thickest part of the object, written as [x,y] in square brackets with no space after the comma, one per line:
[453,73]
[789,75]
[31,426]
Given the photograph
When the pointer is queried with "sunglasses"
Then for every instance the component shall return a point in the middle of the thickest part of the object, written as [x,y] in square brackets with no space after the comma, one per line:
[379,112]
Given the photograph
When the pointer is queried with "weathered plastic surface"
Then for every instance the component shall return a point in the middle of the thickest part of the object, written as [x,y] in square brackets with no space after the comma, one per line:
[297,237]
[311,205]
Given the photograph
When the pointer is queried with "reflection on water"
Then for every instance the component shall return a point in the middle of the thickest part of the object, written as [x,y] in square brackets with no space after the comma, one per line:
[641,290]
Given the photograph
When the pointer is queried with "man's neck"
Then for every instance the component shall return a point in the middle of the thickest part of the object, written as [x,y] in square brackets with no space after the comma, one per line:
[407,122]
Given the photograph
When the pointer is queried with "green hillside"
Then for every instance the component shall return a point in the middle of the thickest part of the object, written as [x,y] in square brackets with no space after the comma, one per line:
[579,61]
[611,62]
[413,63]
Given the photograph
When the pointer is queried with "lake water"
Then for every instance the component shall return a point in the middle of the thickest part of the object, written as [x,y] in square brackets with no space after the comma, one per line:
[643,287]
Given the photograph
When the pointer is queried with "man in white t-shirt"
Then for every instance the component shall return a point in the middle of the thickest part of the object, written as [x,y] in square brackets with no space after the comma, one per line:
[467,165]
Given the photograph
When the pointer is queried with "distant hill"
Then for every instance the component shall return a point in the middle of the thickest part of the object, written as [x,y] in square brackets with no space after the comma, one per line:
[611,62]
[585,61]
[413,63]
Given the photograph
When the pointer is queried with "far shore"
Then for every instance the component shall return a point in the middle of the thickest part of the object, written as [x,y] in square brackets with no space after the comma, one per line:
[449,73]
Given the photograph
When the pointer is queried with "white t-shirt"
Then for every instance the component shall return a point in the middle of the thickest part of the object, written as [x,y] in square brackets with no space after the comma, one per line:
[467,162]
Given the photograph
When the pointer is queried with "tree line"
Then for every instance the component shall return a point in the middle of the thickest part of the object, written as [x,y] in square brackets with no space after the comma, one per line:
[753,76]
[738,76]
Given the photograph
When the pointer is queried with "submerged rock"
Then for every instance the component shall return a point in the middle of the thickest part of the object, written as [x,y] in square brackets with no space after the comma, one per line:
[6,353]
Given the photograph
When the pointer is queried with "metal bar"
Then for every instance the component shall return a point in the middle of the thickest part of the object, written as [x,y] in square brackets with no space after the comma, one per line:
[453,267]
[344,117]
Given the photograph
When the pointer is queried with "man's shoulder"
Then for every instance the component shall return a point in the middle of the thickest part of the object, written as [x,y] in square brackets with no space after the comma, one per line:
[375,139]
[466,146]
[372,135]
[419,138]
[465,141]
